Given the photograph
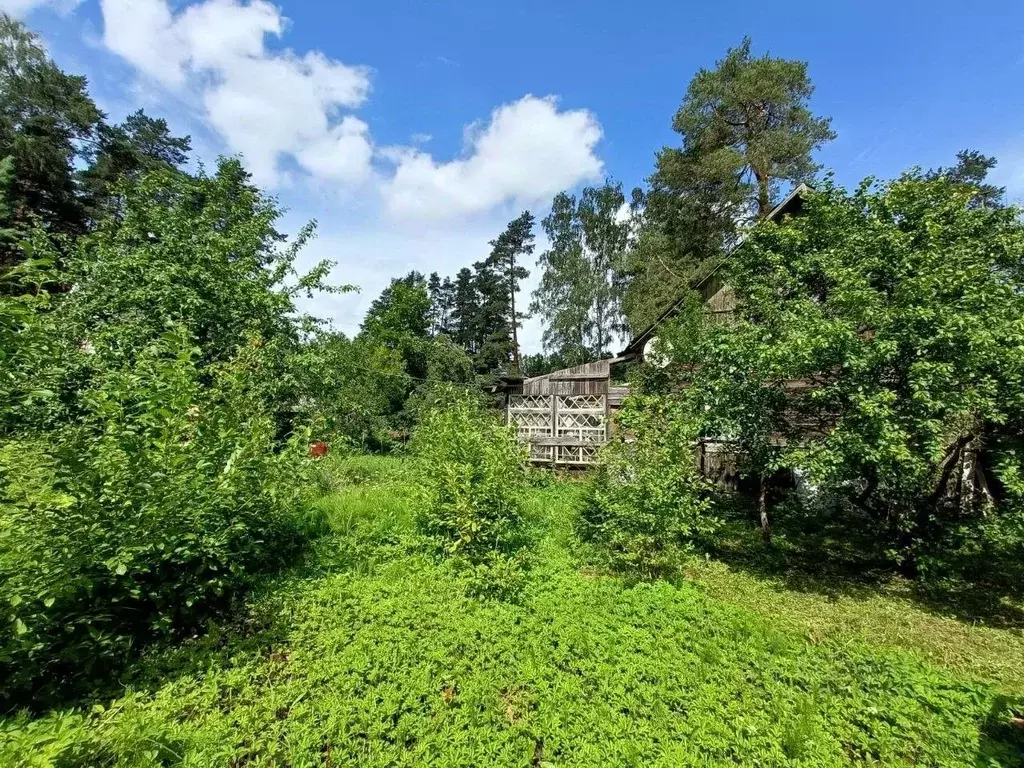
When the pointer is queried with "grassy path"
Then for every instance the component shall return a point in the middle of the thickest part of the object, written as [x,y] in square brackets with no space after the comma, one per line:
[373,655]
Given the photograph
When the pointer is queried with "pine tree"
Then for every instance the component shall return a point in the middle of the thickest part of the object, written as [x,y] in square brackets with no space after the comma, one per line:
[505,263]
[446,305]
[747,131]
[442,298]
[971,170]
[138,145]
[434,291]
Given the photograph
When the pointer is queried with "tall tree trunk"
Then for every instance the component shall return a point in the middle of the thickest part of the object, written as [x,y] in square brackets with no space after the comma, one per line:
[764,198]
[515,324]
[762,510]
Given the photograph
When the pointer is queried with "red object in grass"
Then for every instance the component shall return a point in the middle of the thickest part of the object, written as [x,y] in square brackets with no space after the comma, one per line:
[318,449]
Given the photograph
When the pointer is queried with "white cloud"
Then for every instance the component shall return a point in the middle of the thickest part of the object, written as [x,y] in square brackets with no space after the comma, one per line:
[267,105]
[21,8]
[527,152]
[209,65]
[283,111]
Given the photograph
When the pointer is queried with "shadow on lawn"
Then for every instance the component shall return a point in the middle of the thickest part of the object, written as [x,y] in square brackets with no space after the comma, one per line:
[1002,734]
[839,554]
[256,626]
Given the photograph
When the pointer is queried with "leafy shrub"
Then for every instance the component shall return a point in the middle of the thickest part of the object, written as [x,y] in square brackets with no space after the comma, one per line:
[141,518]
[645,505]
[472,486]
[350,389]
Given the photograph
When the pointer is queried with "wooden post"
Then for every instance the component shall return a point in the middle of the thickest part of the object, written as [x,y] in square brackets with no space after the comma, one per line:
[607,416]
[554,427]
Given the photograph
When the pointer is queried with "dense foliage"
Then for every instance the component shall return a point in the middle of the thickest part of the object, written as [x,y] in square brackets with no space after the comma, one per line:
[380,659]
[647,505]
[150,511]
[580,294]
[150,464]
[877,345]
[351,390]
[472,486]
[747,130]
[162,398]
[153,451]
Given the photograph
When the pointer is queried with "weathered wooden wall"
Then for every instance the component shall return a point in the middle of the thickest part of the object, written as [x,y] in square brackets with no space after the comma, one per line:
[565,415]
[719,299]
[586,379]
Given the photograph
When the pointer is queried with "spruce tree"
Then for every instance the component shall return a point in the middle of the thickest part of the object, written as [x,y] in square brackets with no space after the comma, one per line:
[465,308]
[46,116]
[492,332]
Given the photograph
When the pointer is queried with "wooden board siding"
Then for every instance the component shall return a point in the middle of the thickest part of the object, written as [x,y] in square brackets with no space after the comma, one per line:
[587,379]
[565,415]
[617,394]
[719,300]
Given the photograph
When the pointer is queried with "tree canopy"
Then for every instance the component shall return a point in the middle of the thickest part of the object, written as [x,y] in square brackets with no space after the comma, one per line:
[878,344]
[747,130]
[579,296]
[47,119]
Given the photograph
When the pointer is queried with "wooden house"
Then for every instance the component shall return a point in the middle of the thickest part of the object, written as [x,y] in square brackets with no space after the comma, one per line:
[565,415]
[718,298]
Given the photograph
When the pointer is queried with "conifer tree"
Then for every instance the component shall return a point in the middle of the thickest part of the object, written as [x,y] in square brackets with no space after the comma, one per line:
[502,284]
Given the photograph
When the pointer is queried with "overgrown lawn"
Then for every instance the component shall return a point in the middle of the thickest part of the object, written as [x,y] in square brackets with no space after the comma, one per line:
[374,654]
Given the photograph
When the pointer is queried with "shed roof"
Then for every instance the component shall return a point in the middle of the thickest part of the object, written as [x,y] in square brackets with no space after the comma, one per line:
[791,204]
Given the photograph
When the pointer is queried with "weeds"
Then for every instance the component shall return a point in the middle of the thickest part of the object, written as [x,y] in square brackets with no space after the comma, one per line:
[396,664]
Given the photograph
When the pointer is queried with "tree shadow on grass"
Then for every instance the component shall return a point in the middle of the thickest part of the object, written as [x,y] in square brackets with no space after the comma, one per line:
[837,553]
[260,627]
[255,625]
[1001,742]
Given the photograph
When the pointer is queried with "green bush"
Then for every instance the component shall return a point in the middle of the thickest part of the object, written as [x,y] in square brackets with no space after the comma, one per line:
[646,505]
[138,520]
[473,480]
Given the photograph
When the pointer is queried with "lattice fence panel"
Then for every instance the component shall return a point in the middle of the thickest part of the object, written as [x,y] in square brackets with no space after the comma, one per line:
[531,417]
[582,425]
[581,403]
[577,455]
[529,402]
[542,453]
[574,419]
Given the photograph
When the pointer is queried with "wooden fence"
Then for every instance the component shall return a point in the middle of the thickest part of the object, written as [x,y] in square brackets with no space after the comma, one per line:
[561,430]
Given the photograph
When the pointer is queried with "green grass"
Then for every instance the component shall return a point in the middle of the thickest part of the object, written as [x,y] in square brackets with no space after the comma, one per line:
[885,616]
[372,654]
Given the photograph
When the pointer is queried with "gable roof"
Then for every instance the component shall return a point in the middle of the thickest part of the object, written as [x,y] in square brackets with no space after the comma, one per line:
[790,205]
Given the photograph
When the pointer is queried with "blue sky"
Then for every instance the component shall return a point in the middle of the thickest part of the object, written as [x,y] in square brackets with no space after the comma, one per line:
[414,130]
